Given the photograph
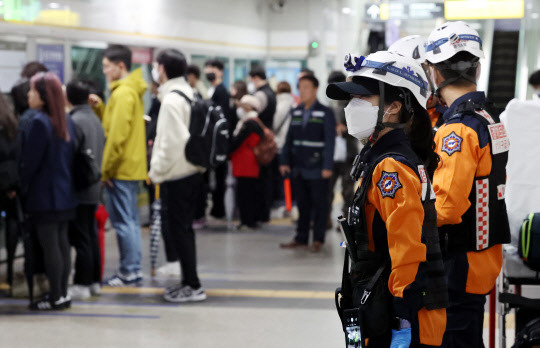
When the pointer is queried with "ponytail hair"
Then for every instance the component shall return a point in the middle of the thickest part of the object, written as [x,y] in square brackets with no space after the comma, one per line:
[50,91]
[418,129]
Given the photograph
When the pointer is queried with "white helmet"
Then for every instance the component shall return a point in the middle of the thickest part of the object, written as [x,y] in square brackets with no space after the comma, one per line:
[450,38]
[388,67]
[410,46]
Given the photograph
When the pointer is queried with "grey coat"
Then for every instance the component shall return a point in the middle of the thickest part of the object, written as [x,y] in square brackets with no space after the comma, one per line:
[89,128]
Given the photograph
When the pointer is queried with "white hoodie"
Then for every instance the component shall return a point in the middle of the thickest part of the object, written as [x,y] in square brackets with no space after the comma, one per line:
[168,155]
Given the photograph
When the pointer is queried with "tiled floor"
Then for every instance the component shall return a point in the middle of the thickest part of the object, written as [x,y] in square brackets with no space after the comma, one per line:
[259,296]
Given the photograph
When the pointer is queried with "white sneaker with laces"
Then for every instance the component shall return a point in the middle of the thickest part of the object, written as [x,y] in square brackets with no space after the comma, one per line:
[185,294]
[170,269]
[79,292]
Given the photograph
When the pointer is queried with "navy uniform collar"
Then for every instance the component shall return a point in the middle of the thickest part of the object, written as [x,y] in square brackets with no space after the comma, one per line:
[387,141]
[475,97]
[313,107]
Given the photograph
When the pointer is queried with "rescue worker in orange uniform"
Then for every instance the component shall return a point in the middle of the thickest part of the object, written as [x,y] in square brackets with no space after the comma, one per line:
[469,182]
[414,46]
[400,254]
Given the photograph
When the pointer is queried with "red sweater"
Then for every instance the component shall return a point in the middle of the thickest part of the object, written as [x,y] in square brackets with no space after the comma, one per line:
[244,163]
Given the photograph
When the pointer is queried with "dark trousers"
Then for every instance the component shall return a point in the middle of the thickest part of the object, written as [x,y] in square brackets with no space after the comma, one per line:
[170,250]
[180,197]
[342,170]
[218,195]
[264,194]
[465,320]
[312,199]
[54,241]
[83,236]
[246,200]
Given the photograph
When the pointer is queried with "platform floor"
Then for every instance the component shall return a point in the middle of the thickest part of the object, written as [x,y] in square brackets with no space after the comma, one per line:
[259,296]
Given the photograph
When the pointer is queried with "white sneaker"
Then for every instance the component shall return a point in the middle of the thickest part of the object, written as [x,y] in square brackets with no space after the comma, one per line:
[185,294]
[170,269]
[79,292]
[95,289]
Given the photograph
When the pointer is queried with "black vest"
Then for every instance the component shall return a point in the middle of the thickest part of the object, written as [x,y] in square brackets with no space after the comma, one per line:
[435,293]
[267,115]
[485,223]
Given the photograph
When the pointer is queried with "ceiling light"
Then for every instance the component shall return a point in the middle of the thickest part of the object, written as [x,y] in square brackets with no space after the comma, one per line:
[54,5]
[346,10]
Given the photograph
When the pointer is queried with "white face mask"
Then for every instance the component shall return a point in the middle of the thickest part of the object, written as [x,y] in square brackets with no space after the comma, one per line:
[241,113]
[361,117]
[155,74]
[251,88]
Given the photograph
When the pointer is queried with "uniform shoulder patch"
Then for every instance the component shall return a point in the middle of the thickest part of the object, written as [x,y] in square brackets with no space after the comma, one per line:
[452,143]
[389,184]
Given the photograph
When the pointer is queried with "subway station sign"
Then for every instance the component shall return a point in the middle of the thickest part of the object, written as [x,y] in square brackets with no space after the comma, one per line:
[484,9]
[403,10]
[450,9]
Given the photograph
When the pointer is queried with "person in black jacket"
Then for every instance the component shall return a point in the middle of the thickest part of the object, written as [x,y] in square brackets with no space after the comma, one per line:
[213,69]
[267,98]
[47,184]
[82,230]
[9,180]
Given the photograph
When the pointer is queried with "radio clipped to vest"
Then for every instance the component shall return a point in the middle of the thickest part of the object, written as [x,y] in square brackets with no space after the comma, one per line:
[485,223]
[364,300]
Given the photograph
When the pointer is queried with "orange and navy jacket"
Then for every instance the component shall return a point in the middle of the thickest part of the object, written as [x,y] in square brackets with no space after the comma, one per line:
[394,216]
[436,115]
[464,148]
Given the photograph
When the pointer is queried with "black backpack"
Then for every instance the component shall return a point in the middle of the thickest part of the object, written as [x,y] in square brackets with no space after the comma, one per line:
[208,144]
[529,241]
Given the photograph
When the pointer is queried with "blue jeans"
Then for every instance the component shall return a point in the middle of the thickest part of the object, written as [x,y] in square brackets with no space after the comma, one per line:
[124,216]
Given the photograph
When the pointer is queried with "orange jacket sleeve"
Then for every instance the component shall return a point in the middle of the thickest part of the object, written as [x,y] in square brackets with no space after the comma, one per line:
[396,194]
[403,215]
[462,160]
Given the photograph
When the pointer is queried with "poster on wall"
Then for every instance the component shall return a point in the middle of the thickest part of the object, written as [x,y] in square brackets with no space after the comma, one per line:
[52,56]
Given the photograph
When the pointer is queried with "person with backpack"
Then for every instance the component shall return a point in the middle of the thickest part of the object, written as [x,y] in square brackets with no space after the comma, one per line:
[308,156]
[181,180]
[82,230]
[248,134]
[394,286]
[469,183]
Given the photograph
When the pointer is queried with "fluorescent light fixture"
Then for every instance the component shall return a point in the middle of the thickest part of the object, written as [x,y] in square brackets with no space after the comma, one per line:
[54,5]
[534,15]
[346,10]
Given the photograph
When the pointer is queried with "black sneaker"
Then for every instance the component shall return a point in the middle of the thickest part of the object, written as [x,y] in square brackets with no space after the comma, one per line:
[48,305]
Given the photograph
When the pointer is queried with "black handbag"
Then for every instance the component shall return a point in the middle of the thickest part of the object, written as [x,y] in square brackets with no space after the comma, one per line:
[86,171]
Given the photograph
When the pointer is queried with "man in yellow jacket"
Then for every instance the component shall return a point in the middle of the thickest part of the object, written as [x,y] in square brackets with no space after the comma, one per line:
[124,157]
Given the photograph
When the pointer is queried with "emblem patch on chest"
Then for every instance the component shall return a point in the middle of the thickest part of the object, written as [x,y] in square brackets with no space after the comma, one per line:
[452,144]
[389,184]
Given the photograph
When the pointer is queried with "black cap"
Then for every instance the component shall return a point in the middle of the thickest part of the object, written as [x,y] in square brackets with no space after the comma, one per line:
[359,85]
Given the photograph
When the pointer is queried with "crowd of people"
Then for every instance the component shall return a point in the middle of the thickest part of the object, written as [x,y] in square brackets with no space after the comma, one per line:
[54,129]
[408,125]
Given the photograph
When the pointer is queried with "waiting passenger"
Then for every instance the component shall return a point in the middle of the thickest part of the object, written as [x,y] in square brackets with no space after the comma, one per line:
[47,185]
[181,180]
[213,70]
[285,102]
[124,157]
[247,135]
[19,94]
[82,230]
[193,76]
[308,156]
[267,99]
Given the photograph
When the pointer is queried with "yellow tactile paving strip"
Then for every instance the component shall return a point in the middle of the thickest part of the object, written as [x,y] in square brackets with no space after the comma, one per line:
[229,292]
